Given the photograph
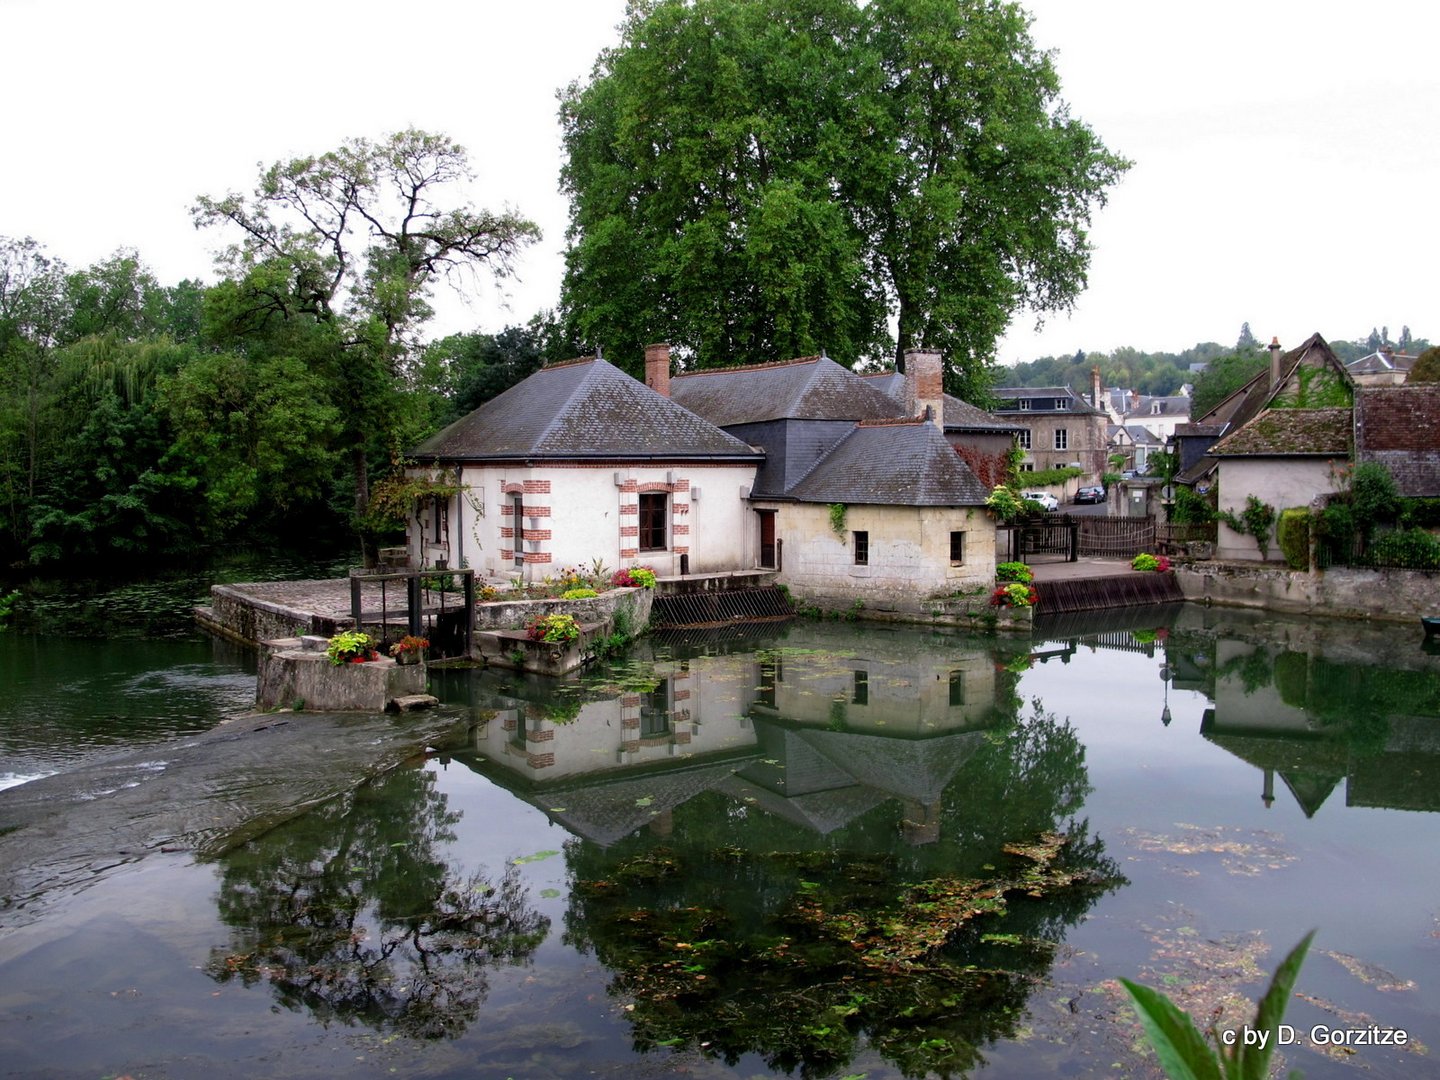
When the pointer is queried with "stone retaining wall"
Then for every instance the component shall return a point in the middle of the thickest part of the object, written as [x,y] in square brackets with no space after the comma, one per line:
[1343,592]
[517,614]
[289,675]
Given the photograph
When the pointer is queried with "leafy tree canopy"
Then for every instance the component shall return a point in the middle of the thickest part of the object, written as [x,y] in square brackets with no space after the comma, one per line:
[758,179]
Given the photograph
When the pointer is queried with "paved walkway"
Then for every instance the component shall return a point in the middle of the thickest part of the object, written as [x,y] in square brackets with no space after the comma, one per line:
[1057,570]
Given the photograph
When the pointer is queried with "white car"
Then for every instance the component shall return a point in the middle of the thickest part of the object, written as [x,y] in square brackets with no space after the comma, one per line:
[1044,498]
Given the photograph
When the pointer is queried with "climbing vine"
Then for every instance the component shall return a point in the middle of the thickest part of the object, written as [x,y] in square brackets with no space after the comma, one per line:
[1257,519]
[837,519]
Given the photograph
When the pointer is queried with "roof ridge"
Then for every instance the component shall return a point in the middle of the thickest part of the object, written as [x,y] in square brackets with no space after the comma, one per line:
[754,367]
[894,421]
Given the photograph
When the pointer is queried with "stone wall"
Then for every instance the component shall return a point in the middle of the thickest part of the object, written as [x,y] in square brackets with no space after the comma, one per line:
[1344,592]
[517,614]
[244,617]
[908,555]
[289,676]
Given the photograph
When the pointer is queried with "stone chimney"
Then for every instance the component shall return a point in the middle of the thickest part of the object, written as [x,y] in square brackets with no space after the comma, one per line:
[657,368]
[1274,347]
[1095,387]
[924,386]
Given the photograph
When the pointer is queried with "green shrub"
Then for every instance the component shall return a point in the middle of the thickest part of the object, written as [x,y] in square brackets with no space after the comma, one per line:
[1013,571]
[1191,508]
[1420,513]
[1373,496]
[578,594]
[1414,548]
[1294,536]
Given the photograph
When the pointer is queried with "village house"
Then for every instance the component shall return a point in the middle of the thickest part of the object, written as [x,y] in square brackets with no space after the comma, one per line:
[861,497]
[581,462]
[800,467]
[1059,428]
[1288,440]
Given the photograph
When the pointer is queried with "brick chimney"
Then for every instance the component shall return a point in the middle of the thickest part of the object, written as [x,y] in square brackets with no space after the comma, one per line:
[1274,347]
[657,368]
[1095,387]
[924,386]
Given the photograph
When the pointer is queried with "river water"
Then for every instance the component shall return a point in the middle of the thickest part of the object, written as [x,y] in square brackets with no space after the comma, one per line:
[821,850]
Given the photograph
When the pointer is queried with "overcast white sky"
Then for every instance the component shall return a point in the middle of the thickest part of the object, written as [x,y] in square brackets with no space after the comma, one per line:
[1286,154]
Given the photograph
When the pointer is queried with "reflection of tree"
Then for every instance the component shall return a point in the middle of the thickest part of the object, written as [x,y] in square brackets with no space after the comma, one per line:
[349,912]
[746,934]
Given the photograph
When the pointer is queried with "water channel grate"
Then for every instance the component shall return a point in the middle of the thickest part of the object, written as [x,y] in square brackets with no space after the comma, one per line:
[721,608]
[1089,594]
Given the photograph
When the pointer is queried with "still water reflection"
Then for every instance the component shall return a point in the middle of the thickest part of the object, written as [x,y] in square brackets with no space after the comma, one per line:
[839,851]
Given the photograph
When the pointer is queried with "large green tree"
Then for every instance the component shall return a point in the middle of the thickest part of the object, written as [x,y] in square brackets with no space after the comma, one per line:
[354,240]
[758,179]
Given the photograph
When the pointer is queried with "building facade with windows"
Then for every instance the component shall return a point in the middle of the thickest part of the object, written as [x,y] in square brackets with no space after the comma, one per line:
[581,462]
[1059,428]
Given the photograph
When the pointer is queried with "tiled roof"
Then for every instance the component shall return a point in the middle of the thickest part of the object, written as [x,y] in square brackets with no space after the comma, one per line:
[1288,433]
[901,464]
[586,409]
[958,415]
[1399,427]
[816,388]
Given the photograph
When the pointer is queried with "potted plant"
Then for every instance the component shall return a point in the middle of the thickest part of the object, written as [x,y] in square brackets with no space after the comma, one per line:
[351,647]
[409,649]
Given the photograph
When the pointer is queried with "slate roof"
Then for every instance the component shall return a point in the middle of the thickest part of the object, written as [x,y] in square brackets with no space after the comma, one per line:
[906,463]
[1399,427]
[1381,363]
[585,409]
[1009,398]
[1290,433]
[813,388]
[958,415]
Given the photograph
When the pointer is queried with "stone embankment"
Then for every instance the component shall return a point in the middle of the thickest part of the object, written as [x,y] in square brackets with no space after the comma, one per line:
[1340,592]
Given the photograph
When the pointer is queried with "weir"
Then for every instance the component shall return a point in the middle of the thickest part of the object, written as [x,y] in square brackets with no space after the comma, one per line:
[1095,593]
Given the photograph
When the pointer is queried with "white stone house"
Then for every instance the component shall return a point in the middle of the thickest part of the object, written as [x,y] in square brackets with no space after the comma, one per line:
[909,518]
[578,463]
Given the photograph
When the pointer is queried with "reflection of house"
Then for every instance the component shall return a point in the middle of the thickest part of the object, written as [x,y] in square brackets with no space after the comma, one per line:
[1060,427]
[1271,712]
[907,723]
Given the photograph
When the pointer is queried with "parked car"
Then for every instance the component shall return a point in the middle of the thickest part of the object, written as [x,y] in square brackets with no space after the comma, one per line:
[1044,498]
[1094,494]
[1129,474]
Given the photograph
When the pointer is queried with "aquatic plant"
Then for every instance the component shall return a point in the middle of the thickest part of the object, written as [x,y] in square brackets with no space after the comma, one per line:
[1183,1052]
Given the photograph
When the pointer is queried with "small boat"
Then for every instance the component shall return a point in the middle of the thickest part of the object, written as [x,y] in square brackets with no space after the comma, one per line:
[1431,623]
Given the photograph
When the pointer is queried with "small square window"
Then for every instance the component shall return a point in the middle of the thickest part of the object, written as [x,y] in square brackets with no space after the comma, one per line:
[862,548]
[957,547]
[1024,404]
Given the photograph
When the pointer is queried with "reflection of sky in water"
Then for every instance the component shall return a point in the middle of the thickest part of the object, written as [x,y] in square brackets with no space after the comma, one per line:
[1181,814]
